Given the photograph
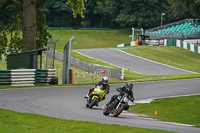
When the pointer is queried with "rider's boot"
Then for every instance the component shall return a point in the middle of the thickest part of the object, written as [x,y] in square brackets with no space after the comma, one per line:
[87,96]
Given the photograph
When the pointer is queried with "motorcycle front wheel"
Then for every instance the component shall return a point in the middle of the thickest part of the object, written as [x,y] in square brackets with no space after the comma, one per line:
[93,102]
[118,111]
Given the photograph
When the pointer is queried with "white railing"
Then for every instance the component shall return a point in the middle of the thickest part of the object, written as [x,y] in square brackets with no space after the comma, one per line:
[23,77]
[26,77]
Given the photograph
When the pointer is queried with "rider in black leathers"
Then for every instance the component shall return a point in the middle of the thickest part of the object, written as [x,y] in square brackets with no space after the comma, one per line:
[124,89]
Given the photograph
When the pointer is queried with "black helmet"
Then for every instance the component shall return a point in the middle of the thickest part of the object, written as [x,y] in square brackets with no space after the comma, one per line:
[129,86]
[105,79]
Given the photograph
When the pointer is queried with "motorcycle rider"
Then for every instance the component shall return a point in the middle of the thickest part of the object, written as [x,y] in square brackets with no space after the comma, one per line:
[124,89]
[105,86]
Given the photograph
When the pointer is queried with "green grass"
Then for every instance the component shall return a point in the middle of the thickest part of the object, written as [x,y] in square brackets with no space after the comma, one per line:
[11,121]
[174,56]
[86,39]
[80,76]
[135,77]
[180,109]
[3,65]
[129,75]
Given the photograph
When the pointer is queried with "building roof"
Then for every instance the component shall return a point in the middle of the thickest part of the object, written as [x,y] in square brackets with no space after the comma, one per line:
[31,51]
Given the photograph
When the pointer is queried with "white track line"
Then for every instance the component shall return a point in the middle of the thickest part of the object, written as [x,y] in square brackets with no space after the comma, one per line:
[175,96]
[155,61]
[103,61]
[141,116]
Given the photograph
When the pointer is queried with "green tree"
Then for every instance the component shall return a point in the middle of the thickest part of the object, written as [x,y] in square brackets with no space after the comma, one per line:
[31,16]
[177,12]
[96,14]
[193,6]
[137,13]
[10,28]
[58,13]
[101,10]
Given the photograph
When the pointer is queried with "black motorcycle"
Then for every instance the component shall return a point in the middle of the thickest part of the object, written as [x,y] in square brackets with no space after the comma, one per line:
[118,105]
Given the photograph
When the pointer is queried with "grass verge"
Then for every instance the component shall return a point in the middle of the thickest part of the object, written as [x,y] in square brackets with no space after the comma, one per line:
[180,109]
[3,65]
[173,56]
[136,77]
[89,78]
[86,39]
[11,121]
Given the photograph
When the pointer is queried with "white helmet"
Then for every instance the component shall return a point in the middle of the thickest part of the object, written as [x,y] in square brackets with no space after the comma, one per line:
[105,79]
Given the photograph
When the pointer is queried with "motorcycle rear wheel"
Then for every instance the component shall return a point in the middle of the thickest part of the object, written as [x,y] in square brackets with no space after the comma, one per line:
[105,111]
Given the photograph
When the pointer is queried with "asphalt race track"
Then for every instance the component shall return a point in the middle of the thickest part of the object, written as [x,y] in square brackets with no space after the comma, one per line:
[131,62]
[68,103]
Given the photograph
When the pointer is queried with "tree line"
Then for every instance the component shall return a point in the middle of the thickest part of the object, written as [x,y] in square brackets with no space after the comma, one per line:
[24,23]
[118,13]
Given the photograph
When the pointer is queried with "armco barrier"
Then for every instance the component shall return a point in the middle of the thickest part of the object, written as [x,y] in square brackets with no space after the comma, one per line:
[183,44]
[94,28]
[5,77]
[84,28]
[23,77]
[61,28]
[26,77]
[43,76]
[134,43]
[189,46]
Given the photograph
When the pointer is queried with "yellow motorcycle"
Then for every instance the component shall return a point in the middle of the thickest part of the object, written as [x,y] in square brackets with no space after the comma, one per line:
[95,97]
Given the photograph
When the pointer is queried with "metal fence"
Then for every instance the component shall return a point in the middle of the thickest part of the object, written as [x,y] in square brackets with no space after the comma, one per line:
[113,72]
[84,77]
[94,68]
[50,53]
[171,24]
[89,77]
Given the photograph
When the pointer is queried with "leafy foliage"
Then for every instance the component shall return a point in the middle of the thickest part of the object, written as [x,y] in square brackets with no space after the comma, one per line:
[59,14]
[10,33]
[138,13]
[112,13]
[11,30]
[77,6]
[3,42]
[192,6]
[42,30]
[176,12]
[100,13]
